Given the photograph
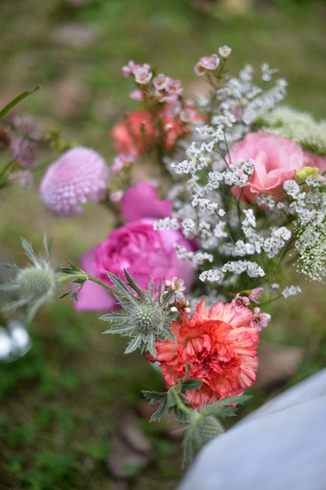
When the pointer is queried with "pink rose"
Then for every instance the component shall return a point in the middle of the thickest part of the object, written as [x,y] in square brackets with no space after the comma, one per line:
[313,160]
[144,252]
[275,161]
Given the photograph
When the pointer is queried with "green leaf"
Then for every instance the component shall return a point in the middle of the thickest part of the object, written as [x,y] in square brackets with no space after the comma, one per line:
[159,412]
[114,317]
[171,401]
[122,288]
[154,396]
[15,101]
[133,284]
[122,330]
[192,384]
[134,344]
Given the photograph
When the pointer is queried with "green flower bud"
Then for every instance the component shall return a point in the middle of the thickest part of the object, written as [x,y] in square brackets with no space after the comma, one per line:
[304,172]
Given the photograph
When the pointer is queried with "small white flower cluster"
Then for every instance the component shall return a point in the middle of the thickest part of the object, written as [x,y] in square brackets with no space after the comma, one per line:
[309,211]
[166,224]
[291,291]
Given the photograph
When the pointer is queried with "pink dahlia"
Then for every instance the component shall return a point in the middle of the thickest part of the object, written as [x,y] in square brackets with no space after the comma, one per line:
[220,347]
[78,176]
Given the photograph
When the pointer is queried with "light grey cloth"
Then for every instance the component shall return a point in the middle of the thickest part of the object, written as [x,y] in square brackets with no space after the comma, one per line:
[281,446]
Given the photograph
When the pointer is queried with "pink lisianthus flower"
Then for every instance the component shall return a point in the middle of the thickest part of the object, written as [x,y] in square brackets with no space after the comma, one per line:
[78,176]
[219,345]
[313,160]
[137,247]
[275,161]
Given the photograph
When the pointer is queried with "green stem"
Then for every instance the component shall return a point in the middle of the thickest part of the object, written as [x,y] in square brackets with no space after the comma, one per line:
[86,277]
[181,406]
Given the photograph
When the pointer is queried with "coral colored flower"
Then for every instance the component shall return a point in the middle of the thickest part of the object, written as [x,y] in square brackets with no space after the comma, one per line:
[134,134]
[144,252]
[139,132]
[220,347]
[79,175]
[275,161]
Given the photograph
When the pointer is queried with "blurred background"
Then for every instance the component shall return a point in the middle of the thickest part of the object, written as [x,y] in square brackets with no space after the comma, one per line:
[63,401]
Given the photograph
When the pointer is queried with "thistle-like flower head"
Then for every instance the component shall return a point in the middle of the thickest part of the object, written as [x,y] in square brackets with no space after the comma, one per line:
[142,317]
[37,282]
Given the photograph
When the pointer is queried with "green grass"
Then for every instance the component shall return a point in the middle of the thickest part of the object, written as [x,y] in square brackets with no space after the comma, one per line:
[60,403]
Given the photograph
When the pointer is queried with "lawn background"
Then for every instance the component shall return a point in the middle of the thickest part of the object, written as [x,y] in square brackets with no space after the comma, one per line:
[61,402]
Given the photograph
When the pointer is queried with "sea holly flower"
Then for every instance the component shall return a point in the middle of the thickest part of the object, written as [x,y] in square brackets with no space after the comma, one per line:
[78,176]
[36,283]
[220,347]
[141,317]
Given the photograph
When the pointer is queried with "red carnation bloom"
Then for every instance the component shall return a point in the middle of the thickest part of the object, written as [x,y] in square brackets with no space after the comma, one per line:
[219,345]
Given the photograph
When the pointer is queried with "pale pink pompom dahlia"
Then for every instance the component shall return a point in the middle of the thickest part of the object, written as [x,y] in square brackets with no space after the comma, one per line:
[78,176]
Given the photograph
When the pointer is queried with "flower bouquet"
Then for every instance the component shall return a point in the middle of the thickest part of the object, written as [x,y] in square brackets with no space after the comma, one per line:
[211,197]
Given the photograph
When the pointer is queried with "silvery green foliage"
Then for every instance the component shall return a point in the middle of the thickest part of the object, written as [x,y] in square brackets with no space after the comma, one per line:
[142,317]
[36,283]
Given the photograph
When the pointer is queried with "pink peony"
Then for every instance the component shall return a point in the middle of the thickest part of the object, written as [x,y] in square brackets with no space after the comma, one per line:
[275,161]
[144,252]
[79,175]
[137,247]
[220,347]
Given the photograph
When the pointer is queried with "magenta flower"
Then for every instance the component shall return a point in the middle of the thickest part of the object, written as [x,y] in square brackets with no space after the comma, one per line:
[137,247]
[141,201]
[78,176]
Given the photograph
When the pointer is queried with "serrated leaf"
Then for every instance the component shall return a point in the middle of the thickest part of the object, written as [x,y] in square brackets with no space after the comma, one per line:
[154,396]
[169,334]
[133,284]
[167,297]
[122,287]
[159,412]
[151,346]
[122,330]
[114,317]
[134,344]
[192,384]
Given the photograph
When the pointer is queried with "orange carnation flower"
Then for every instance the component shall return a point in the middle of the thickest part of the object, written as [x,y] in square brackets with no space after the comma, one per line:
[220,347]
